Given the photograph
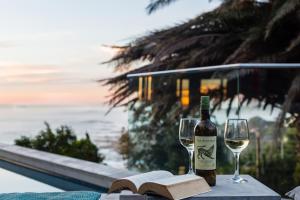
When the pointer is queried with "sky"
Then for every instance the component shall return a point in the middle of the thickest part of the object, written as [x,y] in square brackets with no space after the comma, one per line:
[51,50]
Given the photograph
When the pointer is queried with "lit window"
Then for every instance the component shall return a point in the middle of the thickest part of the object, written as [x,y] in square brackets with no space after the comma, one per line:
[145,88]
[178,84]
[185,92]
[149,96]
[213,84]
[140,92]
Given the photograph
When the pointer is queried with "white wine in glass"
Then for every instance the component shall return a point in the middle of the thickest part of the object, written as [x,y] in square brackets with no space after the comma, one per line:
[236,145]
[236,137]
[187,143]
[186,138]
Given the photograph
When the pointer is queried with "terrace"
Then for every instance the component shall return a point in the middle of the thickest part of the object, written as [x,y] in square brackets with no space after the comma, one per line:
[50,73]
[230,86]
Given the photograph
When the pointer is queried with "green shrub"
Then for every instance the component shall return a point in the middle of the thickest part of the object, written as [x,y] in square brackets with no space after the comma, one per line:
[64,142]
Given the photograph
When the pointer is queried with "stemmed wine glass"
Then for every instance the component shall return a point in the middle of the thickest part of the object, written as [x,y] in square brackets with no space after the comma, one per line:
[236,138]
[186,137]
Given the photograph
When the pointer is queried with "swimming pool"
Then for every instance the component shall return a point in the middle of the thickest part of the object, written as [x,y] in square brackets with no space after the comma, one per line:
[12,182]
[32,170]
[15,178]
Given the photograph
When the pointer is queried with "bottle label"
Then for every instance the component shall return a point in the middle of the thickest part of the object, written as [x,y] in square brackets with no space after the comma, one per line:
[205,152]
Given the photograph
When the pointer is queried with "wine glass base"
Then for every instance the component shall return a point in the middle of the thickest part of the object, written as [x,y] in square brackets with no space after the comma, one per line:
[238,179]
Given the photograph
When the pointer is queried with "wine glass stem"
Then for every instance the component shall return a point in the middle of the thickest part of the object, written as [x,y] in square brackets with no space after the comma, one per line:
[237,165]
[191,171]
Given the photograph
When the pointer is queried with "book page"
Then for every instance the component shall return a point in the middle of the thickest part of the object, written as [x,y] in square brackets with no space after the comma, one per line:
[173,180]
[139,179]
[176,187]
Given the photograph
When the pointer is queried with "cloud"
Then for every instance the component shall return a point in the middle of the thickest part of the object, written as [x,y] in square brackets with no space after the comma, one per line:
[28,38]
[93,55]
[6,44]
[13,73]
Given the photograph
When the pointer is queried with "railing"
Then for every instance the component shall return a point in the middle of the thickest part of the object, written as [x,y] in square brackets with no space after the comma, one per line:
[220,68]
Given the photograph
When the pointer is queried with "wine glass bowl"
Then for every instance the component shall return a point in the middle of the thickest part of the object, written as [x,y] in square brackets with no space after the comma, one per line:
[236,146]
[186,137]
[188,143]
[236,137]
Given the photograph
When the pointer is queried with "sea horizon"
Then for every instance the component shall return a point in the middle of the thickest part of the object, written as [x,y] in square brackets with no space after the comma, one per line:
[103,129]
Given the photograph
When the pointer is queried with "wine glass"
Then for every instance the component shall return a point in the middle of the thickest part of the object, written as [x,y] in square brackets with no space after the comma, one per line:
[236,138]
[186,137]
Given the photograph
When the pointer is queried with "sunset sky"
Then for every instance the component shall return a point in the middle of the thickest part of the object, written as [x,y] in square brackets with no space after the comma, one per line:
[51,50]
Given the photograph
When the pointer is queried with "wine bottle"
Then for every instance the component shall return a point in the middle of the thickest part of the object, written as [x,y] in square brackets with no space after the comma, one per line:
[205,145]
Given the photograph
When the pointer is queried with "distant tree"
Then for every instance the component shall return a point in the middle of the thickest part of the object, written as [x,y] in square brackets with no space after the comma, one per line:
[64,142]
[124,144]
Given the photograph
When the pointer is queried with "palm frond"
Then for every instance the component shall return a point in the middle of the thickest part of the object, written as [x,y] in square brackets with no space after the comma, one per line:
[157,4]
[234,32]
[285,8]
[292,94]
[294,43]
[254,35]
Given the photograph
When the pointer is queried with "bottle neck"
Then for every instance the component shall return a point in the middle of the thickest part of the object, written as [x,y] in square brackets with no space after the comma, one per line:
[205,114]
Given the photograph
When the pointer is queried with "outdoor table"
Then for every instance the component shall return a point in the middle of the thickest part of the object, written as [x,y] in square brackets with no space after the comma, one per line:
[224,190]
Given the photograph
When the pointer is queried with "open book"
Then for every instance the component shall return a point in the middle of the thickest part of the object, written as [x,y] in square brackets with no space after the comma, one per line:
[162,183]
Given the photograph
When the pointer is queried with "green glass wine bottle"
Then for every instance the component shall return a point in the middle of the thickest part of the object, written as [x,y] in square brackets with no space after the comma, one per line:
[206,145]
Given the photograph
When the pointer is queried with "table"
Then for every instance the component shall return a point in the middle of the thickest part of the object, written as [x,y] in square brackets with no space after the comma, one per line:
[224,190]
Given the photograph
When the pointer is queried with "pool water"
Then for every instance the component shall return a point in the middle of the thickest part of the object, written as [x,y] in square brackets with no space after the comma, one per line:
[16,178]
[12,182]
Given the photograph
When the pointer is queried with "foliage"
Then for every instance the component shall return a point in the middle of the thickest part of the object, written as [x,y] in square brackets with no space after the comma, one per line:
[156,4]
[281,172]
[124,144]
[238,31]
[64,142]
[235,32]
[149,151]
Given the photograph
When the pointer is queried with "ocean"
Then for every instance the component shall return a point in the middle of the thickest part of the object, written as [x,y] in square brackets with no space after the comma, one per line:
[104,130]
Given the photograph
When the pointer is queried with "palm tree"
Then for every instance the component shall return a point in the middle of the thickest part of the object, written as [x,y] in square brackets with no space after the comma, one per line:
[238,31]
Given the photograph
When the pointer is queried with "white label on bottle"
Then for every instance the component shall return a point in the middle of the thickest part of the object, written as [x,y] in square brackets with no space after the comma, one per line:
[205,152]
